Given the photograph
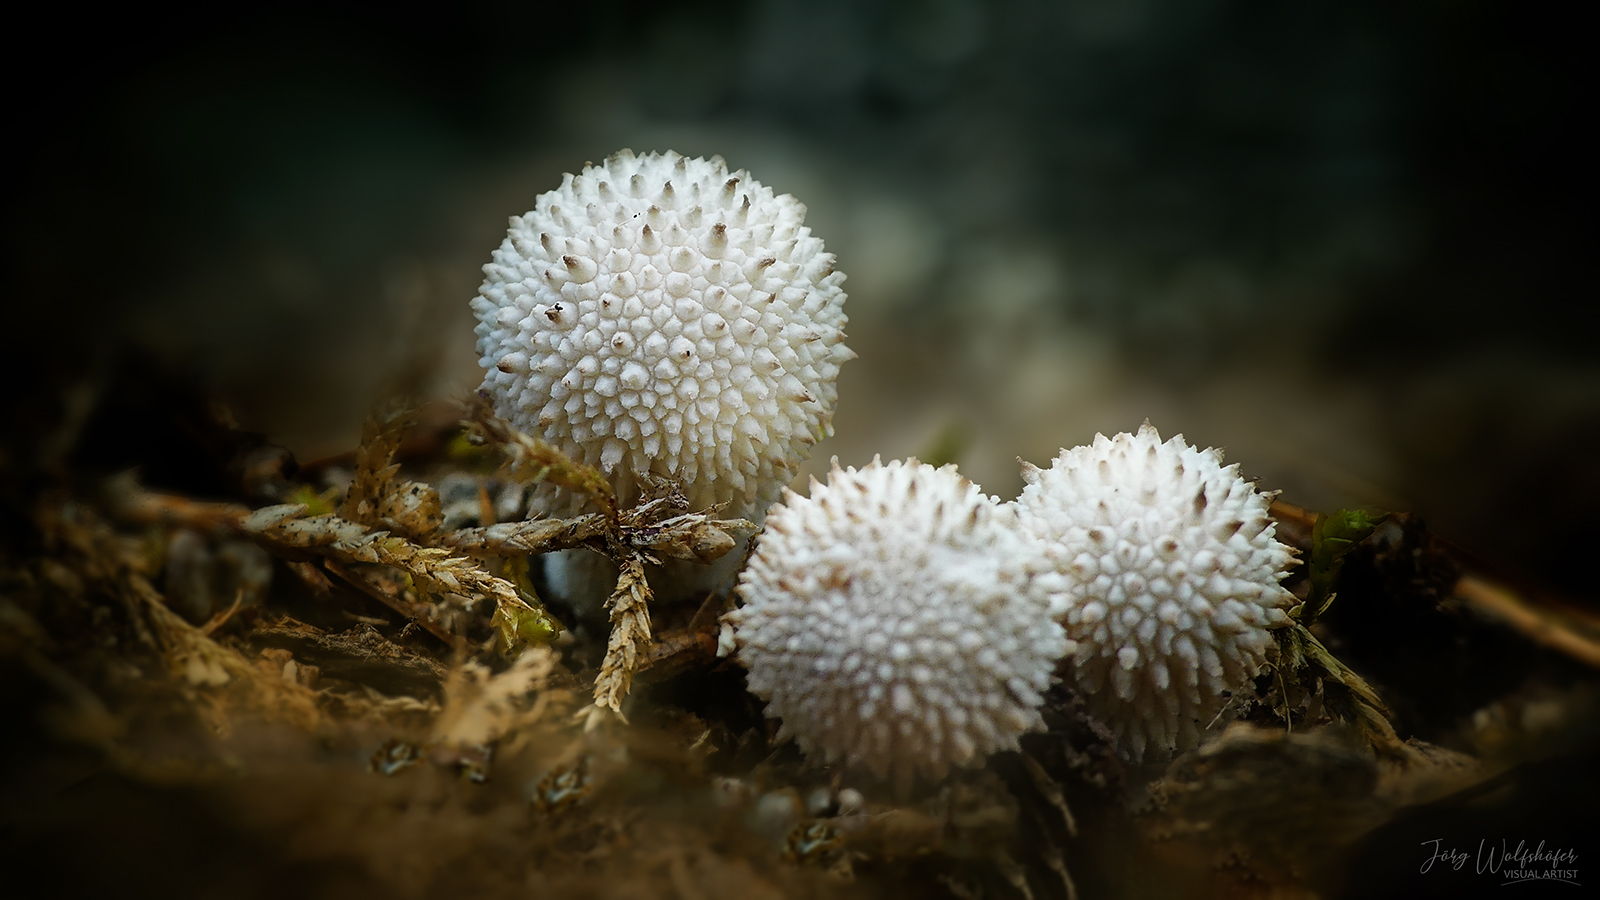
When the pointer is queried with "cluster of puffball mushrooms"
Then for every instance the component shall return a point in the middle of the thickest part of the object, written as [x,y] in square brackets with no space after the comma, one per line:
[662,316]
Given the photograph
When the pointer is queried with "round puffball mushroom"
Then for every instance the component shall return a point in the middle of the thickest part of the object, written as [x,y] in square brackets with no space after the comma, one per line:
[892,621]
[659,314]
[1173,570]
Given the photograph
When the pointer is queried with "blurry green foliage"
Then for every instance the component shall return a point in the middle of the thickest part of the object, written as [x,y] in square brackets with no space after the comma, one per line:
[1332,537]
[316,504]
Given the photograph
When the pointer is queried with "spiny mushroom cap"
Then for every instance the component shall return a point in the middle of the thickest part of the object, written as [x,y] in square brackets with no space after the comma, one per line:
[659,314]
[892,621]
[1174,575]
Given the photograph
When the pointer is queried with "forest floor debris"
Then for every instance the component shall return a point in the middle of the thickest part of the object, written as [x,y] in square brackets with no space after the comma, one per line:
[393,705]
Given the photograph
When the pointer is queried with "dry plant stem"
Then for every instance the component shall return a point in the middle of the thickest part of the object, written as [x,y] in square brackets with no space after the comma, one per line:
[531,459]
[657,526]
[1294,522]
[525,538]
[1301,650]
[630,539]
[1051,791]
[631,542]
[693,536]
[136,506]
[282,530]
[221,618]
[630,632]
[1539,625]
[399,604]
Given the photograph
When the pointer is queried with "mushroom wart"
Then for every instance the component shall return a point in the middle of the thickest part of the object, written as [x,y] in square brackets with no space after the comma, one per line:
[1174,572]
[659,314]
[892,621]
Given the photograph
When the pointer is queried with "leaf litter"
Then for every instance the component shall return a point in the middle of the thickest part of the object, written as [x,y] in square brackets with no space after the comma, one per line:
[399,698]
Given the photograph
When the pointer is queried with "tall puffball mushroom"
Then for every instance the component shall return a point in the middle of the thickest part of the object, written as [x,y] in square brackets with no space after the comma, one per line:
[1174,572]
[892,621]
[659,314]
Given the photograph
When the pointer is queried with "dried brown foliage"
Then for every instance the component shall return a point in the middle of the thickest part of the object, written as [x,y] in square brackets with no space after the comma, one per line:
[376,498]
[1308,678]
[482,707]
[441,767]
[88,560]
[630,635]
[659,525]
[531,459]
[285,530]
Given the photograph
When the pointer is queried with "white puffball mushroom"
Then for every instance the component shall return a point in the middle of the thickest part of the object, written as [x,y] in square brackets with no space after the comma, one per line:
[893,621]
[659,314]
[1173,569]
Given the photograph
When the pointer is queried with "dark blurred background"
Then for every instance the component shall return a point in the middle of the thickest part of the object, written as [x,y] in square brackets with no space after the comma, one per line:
[1349,241]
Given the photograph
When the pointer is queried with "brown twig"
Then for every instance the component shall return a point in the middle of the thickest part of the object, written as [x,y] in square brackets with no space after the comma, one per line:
[395,602]
[532,459]
[311,576]
[286,530]
[221,618]
[1295,523]
[528,537]
[1540,625]
[134,505]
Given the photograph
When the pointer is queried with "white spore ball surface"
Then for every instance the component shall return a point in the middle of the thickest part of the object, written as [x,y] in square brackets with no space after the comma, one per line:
[892,621]
[660,314]
[1174,572]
